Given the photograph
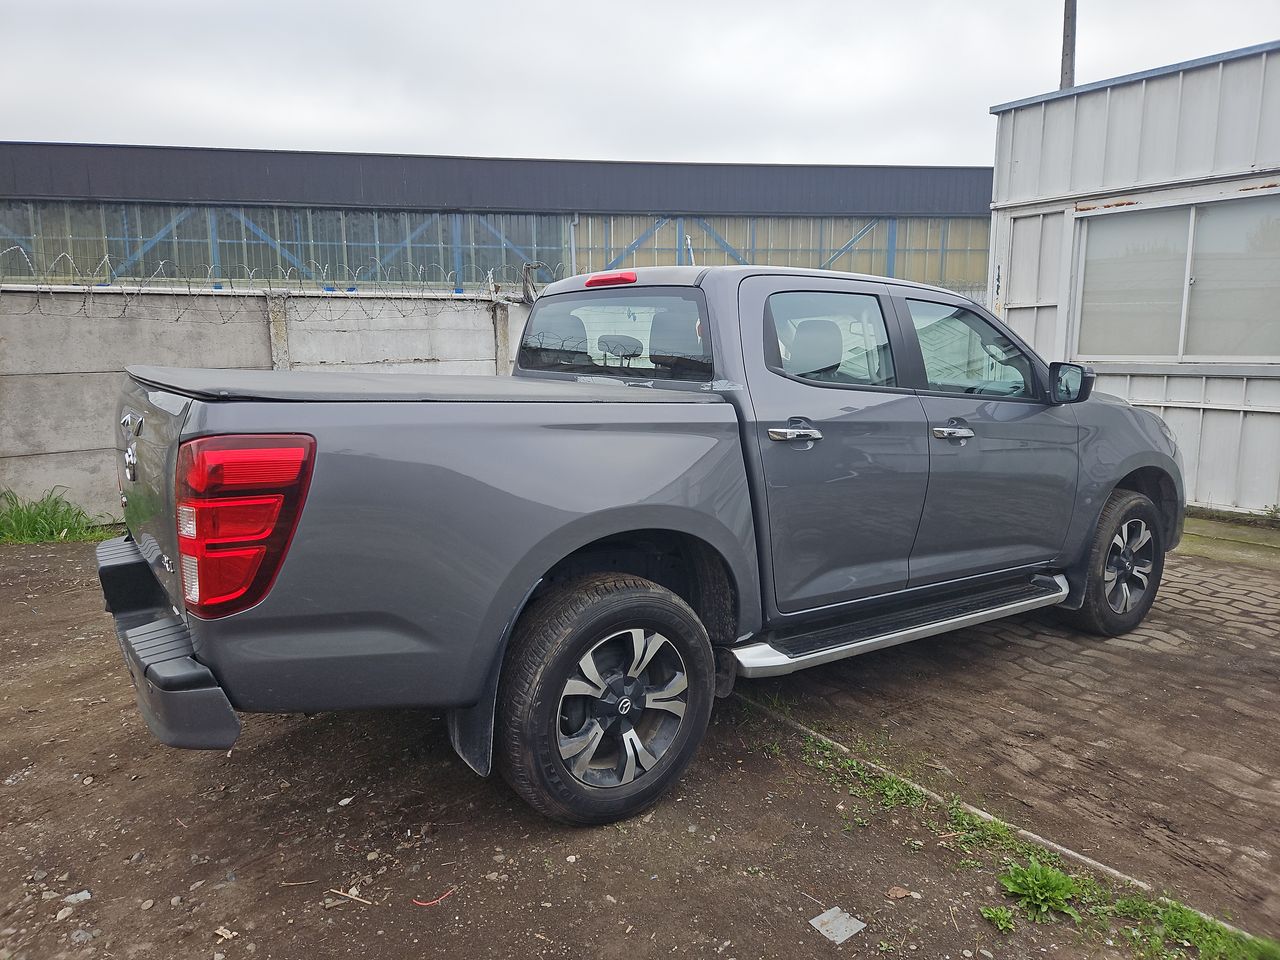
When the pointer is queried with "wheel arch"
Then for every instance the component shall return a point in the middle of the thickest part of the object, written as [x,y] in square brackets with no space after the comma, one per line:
[690,553]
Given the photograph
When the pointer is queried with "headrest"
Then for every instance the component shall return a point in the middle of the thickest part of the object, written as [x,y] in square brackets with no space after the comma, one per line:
[673,339]
[816,348]
[619,345]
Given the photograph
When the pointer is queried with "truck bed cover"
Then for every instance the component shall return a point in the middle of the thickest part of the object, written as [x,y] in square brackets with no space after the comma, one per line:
[349,386]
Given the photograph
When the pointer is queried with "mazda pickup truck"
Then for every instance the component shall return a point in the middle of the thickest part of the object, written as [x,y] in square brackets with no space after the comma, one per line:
[692,475]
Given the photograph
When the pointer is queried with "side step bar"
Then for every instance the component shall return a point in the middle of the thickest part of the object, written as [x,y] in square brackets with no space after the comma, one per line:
[767,660]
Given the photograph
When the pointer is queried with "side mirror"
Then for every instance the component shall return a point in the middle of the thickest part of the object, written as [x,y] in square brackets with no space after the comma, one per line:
[1069,382]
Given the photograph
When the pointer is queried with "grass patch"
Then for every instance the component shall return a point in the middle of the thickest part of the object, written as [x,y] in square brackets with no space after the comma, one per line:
[860,780]
[978,833]
[50,518]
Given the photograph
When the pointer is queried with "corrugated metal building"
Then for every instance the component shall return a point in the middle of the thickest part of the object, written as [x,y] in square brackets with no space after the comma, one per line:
[1136,226]
[339,221]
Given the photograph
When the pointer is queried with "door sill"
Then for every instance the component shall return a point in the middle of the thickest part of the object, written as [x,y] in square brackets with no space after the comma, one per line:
[781,655]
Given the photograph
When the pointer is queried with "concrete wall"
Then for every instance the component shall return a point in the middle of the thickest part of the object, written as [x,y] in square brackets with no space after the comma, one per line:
[62,353]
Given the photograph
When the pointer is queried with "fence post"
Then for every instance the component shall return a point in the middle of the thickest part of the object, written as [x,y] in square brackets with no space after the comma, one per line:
[501,339]
[278,321]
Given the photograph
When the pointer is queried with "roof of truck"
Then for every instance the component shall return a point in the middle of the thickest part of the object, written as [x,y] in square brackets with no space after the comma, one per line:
[693,276]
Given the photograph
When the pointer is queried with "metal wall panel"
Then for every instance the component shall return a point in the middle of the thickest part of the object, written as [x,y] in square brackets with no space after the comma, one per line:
[1219,116]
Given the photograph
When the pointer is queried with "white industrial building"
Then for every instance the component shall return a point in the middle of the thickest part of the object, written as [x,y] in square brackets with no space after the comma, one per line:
[1136,227]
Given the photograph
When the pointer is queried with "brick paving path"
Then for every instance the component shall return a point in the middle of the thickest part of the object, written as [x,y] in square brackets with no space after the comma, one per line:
[1158,752]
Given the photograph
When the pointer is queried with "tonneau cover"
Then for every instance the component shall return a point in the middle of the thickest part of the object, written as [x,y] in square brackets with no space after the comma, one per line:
[297,385]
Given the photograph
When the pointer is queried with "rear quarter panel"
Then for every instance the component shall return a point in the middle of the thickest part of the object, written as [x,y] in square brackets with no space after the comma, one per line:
[427,524]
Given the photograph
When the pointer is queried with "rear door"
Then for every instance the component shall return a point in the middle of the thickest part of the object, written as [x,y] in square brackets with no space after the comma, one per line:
[841,441]
[1003,461]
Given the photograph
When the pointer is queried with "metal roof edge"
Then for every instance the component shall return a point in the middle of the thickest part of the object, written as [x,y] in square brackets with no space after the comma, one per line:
[1271,46]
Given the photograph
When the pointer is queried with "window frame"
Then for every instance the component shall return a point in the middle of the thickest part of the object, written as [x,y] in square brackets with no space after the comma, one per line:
[919,377]
[773,355]
[1082,221]
[620,291]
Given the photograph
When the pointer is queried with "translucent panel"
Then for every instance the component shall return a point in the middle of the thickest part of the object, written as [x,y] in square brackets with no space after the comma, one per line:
[1134,277]
[1235,265]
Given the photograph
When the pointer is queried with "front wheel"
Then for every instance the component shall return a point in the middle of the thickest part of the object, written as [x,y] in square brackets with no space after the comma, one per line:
[1125,563]
[605,698]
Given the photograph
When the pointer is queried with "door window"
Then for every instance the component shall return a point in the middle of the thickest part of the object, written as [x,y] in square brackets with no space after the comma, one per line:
[828,338]
[963,353]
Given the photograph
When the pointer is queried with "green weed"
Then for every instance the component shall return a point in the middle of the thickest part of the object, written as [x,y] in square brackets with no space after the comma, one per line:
[999,917]
[50,518]
[1042,891]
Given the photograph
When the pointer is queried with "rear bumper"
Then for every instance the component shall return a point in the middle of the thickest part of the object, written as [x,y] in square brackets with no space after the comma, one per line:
[179,697]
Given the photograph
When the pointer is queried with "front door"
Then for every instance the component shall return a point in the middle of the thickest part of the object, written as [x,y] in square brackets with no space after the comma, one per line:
[1003,462]
[841,442]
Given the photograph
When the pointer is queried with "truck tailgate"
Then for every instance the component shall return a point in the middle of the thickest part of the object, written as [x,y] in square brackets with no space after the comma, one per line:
[150,423]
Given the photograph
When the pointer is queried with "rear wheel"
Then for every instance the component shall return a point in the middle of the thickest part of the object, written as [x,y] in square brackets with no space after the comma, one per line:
[605,697]
[1126,561]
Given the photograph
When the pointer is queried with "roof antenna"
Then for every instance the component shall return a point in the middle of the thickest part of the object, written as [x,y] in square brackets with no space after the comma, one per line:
[688,245]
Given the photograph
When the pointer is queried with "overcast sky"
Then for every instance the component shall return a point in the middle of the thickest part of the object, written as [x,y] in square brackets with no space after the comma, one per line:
[780,81]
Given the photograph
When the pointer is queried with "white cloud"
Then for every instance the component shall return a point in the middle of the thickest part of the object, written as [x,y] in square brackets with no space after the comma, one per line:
[802,81]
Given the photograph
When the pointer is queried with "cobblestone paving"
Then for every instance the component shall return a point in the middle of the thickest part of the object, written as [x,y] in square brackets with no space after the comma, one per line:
[1157,753]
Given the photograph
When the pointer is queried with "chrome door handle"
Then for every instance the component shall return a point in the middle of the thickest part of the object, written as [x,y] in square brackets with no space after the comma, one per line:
[794,433]
[952,433]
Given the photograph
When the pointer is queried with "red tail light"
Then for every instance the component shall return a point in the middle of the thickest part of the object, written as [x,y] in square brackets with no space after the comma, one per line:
[610,279]
[239,499]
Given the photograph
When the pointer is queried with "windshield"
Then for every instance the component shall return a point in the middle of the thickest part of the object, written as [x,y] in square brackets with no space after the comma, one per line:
[653,333]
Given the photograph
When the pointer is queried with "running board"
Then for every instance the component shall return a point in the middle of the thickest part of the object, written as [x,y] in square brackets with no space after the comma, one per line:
[848,640]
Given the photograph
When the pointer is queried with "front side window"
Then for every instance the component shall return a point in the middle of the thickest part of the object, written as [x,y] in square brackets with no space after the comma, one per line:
[651,333]
[832,338]
[963,353]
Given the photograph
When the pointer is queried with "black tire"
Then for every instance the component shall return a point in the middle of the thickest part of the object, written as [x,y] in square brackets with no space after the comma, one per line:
[592,619]
[1110,567]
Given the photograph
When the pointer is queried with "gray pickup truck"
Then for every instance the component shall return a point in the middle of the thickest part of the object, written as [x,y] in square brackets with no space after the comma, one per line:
[694,474]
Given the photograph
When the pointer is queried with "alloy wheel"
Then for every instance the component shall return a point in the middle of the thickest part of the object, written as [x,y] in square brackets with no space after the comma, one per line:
[1126,578]
[622,708]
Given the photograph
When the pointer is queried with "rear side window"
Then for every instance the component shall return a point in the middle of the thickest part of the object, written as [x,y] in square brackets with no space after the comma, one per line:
[650,333]
[833,338]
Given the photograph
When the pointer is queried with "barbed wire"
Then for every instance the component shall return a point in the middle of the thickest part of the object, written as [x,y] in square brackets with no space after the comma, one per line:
[219,294]
[109,288]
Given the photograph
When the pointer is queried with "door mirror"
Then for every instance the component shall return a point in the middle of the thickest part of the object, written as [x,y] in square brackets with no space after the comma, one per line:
[1069,382]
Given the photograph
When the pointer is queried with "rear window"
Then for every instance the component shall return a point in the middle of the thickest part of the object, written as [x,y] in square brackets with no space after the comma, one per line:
[652,333]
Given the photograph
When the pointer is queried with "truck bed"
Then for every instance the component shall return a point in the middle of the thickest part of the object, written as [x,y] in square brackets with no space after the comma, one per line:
[348,387]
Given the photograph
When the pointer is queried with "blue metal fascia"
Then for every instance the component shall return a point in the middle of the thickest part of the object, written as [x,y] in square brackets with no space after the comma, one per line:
[891,255]
[272,242]
[721,242]
[455,236]
[19,238]
[497,235]
[143,250]
[634,245]
[414,234]
[849,244]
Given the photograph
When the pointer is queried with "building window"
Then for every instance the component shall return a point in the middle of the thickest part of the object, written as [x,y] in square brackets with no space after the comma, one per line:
[1193,283]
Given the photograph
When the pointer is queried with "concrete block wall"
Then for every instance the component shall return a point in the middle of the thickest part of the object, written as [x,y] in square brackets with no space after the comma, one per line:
[62,353]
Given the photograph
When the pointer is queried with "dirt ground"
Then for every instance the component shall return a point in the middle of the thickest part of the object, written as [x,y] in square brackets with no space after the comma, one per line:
[199,854]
